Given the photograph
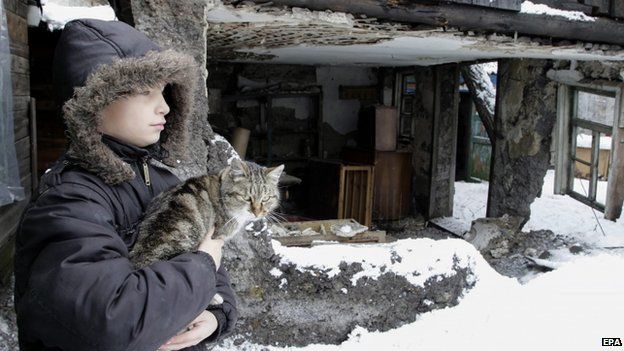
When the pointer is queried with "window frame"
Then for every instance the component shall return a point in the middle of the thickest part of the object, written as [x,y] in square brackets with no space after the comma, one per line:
[565,139]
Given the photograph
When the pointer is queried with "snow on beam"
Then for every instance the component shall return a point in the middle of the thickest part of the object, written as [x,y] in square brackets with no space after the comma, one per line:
[56,13]
[477,18]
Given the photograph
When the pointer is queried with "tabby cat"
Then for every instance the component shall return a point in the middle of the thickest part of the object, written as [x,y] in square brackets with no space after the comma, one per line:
[177,220]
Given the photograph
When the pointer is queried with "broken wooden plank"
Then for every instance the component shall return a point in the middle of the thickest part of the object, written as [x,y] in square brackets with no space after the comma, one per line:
[307,240]
[450,225]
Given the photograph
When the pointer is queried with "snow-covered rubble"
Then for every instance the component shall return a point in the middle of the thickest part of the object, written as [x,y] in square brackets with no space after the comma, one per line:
[416,260]
[290,293]
[570,309]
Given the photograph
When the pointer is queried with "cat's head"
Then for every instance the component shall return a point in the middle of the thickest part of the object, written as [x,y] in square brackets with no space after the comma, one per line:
[250,191]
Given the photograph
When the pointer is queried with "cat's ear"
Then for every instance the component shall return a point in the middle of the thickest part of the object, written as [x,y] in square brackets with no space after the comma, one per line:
[273,174]
[238,169]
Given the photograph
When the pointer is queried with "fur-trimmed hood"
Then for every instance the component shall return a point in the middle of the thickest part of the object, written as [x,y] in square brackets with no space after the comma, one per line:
[97,62]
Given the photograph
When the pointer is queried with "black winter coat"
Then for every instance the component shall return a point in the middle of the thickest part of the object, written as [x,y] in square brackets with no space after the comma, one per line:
[75,287]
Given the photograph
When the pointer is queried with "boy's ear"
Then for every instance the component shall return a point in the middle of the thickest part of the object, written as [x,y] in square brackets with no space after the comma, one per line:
[273,174]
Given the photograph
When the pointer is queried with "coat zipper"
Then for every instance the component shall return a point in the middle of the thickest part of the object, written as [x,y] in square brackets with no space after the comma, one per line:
[146,175]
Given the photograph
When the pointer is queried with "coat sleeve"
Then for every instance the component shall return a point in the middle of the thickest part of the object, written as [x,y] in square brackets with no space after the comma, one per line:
[81,292]
[226,313]
[224,288]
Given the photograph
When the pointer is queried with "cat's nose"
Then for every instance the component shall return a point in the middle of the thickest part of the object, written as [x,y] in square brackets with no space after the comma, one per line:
[257,212]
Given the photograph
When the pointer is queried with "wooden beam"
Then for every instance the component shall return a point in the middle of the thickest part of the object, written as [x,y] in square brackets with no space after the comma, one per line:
[615,185]
[483,95]
[562,143]
[475,18]
[443,151]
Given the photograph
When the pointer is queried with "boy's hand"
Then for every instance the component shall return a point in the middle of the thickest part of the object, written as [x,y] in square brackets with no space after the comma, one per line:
[202,327]
[212,247]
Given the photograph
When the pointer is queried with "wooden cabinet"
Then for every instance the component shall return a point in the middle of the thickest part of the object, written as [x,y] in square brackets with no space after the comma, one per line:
[392,186]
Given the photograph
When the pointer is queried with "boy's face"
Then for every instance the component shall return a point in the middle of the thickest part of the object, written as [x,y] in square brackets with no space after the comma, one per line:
[137,119]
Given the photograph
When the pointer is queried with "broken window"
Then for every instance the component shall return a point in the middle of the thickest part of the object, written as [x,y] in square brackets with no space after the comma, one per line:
[586,121]
[406,102]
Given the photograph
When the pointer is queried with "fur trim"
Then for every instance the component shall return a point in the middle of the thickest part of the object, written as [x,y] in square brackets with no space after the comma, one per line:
[123,77]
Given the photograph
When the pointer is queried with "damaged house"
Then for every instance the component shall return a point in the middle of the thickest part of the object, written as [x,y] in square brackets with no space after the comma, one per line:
[376,108]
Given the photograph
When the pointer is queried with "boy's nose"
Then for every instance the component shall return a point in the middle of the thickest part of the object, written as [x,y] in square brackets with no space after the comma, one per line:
[163,107]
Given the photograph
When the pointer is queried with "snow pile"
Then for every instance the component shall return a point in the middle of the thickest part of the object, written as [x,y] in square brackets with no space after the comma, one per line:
[564,215]
[540,9]
[585,141]
[56,16]
[559,213]
[415,259]
[569,309]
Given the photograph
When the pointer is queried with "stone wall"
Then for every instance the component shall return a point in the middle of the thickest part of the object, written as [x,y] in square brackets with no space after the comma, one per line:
[182,25]
[525,115]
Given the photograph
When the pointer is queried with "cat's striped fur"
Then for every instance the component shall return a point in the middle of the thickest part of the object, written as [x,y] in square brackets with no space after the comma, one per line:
[177,220]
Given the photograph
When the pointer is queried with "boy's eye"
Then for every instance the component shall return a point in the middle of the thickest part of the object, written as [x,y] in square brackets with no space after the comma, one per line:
[147,92]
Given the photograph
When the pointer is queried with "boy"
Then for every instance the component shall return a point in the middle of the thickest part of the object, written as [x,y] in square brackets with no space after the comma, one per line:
[125,103]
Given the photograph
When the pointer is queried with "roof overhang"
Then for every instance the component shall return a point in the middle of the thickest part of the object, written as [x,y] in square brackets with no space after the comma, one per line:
[254,33]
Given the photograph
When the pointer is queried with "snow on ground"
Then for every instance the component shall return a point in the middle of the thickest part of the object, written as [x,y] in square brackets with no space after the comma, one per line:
[570,309]
[564,215]
[559,213]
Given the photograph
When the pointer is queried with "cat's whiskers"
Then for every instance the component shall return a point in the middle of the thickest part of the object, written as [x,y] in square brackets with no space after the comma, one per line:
[275,220]
[229,220]
[281,216]
[272,219]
